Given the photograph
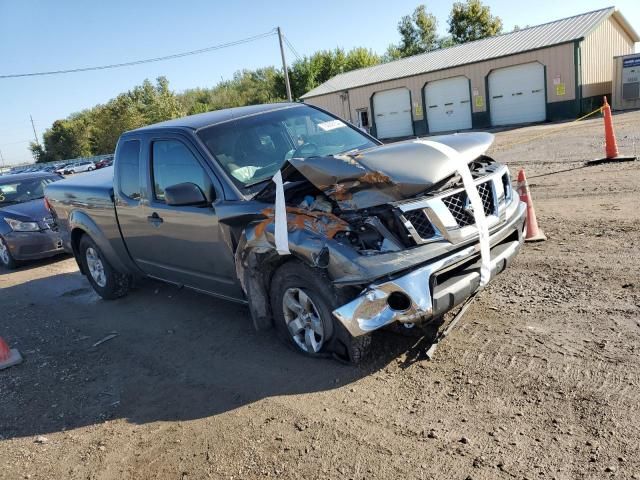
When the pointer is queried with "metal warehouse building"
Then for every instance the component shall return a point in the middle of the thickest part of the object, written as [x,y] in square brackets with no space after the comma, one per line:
[548,72]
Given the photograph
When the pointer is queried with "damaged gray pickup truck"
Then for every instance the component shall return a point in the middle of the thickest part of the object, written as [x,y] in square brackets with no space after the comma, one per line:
[325,233]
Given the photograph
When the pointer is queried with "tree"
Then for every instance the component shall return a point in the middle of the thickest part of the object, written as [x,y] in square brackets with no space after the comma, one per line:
[96,131]
[360,57]
[472,21]
[418,34]
[38,152]
[309,72]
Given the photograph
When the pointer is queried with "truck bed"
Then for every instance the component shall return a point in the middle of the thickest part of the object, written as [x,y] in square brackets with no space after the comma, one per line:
[87,198]
[96,185]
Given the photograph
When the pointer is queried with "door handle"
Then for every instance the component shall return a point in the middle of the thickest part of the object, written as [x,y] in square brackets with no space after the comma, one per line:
[155,219]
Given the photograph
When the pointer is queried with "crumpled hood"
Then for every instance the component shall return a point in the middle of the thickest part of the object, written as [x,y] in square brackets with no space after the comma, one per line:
[389,173]
[34,210]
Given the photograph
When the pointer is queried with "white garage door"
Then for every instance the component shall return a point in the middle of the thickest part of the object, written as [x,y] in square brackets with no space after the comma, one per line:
[392,110]
[517,94]
[448,104]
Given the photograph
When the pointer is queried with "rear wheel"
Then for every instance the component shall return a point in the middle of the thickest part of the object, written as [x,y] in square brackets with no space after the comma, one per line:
[6,259]
[105,280]
[302,299]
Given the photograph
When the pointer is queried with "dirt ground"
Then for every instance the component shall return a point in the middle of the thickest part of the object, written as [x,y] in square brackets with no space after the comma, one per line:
[540,380]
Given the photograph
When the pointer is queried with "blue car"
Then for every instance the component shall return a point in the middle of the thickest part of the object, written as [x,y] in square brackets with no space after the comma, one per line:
[27,230]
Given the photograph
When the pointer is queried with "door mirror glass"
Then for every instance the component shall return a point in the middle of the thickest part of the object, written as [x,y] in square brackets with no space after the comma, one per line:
[184,194]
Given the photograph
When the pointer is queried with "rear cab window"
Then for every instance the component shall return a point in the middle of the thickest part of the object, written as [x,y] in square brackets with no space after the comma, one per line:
[129,169]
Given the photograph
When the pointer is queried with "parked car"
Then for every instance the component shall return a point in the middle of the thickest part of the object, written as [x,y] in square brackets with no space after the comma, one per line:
[322,231]
[105,162]
[78,167]
[60,170]
[27,230]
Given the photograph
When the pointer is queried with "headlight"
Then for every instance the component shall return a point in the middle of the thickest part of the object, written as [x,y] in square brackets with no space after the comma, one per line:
[18,226]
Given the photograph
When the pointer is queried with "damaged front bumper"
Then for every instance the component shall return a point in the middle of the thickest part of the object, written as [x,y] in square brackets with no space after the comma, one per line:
[431,290]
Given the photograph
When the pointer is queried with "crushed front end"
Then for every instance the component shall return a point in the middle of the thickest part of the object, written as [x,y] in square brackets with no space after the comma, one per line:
[392,226]
[442,270]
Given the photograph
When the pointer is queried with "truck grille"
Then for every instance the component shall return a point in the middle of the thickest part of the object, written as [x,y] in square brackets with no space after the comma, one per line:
[458,206]
[458,202]
[420,223]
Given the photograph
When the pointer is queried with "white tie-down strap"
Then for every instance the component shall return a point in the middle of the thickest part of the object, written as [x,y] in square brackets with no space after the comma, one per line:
[282,235]
[462,166]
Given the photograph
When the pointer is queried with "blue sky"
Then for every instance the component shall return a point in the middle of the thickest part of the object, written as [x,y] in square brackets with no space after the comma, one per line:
[50,35]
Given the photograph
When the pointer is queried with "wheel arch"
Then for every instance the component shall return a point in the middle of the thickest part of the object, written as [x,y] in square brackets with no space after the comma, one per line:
[82,224]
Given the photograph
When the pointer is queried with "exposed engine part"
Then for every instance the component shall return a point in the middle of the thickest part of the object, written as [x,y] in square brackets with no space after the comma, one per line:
[390,243]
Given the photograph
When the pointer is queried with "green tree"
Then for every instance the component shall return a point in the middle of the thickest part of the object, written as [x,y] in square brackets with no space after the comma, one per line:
[38,153]
[418,34]
[96,131]
[309,72]
[472,21]
[360,57]
[68,138]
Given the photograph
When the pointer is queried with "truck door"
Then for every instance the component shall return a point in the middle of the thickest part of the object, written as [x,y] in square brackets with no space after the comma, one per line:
[180,244]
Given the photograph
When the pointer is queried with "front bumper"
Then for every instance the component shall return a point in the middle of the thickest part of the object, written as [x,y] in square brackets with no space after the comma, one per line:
[34,245]
[435,288]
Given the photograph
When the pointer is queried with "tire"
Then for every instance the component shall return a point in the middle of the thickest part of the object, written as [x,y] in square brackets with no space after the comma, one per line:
[6,259]
[302,299]
[105,280]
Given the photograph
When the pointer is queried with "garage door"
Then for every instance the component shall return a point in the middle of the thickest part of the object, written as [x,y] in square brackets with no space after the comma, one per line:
[448,104]
[392,110]
[517,94]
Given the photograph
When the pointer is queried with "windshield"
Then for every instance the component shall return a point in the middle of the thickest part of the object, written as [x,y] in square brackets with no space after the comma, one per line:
[253,149]
[20,191]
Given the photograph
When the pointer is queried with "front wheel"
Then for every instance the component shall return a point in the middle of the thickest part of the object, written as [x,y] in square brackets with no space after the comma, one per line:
[6,259]
[302,299]
[105,280]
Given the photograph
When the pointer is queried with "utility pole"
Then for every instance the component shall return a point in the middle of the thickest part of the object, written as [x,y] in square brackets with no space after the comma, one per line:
[2,158]
[35,135]
[284,67]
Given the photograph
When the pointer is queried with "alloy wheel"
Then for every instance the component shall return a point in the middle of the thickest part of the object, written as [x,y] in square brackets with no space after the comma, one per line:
[96,267]
[303,321]
[4,253]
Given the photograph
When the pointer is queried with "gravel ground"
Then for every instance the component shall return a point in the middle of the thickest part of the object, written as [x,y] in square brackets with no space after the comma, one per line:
[541,379]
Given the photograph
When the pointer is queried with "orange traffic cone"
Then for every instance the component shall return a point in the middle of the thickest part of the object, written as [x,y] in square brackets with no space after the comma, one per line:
[610,144]
[534,234]
[8,357]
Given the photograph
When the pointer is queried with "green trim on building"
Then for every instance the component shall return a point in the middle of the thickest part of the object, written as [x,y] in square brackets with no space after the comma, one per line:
[589,104]
[480,120]
[577,64]
[373,130]
[562,110]
[419,128]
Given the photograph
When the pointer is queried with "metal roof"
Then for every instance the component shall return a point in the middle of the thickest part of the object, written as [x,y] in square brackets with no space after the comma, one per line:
[531,38]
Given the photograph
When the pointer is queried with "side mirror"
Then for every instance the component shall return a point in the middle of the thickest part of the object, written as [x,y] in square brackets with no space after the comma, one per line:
[184,194]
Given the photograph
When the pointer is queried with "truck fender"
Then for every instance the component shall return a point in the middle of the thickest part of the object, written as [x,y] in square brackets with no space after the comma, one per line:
[78,220]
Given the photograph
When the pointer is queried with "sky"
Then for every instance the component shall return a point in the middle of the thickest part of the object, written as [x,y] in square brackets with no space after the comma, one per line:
[63,34]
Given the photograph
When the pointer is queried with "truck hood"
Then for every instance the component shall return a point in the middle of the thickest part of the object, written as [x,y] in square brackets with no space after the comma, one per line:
[389,173]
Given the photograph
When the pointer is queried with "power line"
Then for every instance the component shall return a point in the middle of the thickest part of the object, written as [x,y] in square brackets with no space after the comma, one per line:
[148,60]
[292,48]
[298,57]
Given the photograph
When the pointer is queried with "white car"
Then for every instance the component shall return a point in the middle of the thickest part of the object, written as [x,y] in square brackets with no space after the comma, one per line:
[60,170]
[84,166]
